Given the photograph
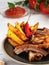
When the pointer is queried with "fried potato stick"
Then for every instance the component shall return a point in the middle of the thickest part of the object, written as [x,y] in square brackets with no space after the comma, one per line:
[14,37]
[19,28]
[14,44]
[17,32]
[35,27]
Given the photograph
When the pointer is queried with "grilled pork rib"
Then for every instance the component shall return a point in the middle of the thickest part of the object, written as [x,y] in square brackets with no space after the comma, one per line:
[29,47]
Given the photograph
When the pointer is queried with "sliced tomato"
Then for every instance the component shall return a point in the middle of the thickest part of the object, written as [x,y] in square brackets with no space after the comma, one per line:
[15,12]
[32,3]
[44,10]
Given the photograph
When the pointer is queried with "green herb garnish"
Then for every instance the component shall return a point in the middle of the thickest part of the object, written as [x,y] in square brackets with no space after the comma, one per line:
[19,3]
[26,2]
[11,5]
[23,3]
[46,3]
[37,8]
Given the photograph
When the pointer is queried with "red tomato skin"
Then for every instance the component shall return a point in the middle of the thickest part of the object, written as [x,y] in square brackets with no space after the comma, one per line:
[32,3]
[43,9]
[15,12]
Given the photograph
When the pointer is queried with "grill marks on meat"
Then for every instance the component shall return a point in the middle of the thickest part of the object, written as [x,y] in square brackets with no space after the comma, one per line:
[36,45]
[41,37]
[29,47]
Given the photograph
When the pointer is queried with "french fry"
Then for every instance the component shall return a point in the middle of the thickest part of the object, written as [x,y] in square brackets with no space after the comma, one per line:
[14,37]
[35,27]
[12,28]
[17,32]
[22,25]
[12,42]
[19,28]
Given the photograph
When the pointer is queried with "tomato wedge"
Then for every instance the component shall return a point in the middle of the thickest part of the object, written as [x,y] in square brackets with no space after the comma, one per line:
[44,10]
[32,3]
[15,12]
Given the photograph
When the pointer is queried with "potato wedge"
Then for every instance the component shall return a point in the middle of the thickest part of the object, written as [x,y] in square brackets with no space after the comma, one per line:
[17,32]
[22,25]
[12,28]
[35,27]
[14,37]
[19,28]
[14,44]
